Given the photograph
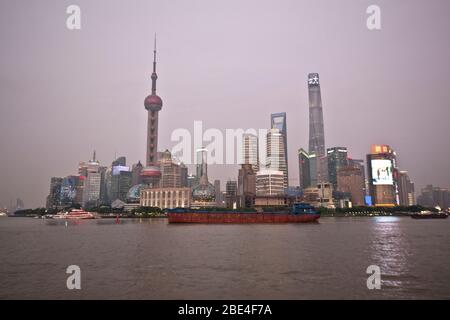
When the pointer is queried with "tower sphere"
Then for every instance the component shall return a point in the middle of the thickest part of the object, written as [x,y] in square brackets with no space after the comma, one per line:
[153,103]
[151,171]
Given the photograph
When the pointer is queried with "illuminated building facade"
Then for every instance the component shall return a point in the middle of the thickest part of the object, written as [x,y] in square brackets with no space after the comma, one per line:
[166,198]
[383,175]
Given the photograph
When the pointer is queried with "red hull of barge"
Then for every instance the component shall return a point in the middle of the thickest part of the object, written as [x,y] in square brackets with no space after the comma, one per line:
[240,217]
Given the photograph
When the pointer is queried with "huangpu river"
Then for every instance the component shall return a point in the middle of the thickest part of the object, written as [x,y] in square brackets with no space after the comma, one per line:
[151,259]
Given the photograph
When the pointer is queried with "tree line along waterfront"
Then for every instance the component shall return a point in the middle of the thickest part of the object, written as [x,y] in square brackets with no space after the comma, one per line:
[152,212]
[103,211]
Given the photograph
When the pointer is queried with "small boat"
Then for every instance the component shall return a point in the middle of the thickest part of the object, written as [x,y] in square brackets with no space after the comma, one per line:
[299,213]
[429,215]
[74,214]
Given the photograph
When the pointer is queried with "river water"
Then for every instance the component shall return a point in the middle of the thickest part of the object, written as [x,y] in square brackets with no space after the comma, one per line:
[150,259]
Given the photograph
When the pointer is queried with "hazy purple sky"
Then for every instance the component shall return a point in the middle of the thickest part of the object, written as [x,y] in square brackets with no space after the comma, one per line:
[229,63]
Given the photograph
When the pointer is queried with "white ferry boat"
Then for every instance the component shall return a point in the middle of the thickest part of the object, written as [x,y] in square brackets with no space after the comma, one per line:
[74,214]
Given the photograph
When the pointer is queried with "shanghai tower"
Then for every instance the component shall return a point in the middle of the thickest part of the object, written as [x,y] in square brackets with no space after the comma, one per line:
[153,104]
[316,131]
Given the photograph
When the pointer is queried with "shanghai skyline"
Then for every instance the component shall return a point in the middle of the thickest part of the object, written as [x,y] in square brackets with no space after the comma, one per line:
[58,82]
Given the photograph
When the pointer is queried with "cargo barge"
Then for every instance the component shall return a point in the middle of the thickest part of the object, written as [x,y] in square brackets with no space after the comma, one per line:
[299,213]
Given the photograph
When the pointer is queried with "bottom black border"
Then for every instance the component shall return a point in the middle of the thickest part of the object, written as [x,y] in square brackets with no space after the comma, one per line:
[224,309]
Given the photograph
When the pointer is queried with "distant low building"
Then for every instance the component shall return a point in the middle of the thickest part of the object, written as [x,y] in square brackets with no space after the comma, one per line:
[319,196]
[134,194]
[117,204]
[434,196]
[273,201]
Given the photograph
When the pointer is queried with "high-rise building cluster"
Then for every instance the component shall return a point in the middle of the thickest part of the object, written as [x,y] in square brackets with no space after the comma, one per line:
[327,176]
[94,185]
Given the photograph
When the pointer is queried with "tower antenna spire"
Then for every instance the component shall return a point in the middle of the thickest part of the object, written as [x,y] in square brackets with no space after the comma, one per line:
[154,55]
[154,75]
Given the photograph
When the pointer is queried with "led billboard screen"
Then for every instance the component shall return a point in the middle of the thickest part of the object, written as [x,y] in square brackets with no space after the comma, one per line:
[368,200]
[117,169]
[382,172]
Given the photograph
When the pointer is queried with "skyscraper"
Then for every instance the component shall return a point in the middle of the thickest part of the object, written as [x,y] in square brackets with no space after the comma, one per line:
[304,173]
[201,164]
[121,180]
[406,189]
[203,194]
[69,191]
[136,173]
[250,151]
[120,161]
[82,169]
[350,179]
[313,165]
[107,186]
[218,193]
[53,198]
[231,198]
[120,184]
[337,159]
[183,175]
[153,104]
[316,127]
[246,186]
[276,157]
[278,121]
[91,193]
[170,171]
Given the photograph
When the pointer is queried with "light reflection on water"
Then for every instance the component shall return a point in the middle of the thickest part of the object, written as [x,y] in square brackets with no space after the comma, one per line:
[390,250]
[381,219]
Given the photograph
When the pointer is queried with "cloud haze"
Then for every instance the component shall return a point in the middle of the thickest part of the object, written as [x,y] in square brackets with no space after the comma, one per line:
[228,63]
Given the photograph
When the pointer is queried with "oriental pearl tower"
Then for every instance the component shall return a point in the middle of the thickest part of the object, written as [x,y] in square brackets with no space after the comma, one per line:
[151,174]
